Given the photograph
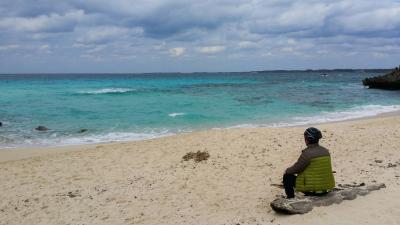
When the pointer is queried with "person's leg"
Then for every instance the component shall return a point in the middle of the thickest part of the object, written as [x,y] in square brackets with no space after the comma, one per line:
[289,182]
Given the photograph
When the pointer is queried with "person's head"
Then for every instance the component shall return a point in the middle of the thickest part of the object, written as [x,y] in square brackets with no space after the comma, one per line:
[312,135]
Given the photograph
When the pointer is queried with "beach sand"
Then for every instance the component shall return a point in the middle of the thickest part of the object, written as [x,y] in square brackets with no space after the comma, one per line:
[147,182]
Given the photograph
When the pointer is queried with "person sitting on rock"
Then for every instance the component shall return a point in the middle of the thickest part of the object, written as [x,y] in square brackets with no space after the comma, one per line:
[312,173]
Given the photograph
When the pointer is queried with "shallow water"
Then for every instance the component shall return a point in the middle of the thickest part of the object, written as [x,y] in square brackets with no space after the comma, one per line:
[139,106]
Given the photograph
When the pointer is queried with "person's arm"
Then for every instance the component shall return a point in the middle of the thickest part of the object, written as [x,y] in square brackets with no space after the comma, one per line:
[299,166]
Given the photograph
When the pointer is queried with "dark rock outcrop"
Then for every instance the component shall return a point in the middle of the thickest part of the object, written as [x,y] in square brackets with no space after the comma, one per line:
[301,205]
[390,81]
[83,130]
[1,124]
[42,128]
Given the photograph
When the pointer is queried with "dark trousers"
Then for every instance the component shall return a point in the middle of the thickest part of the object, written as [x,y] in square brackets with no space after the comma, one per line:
[289,182]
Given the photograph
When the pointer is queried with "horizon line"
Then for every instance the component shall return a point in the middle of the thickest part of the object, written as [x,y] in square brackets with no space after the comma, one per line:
[251,71]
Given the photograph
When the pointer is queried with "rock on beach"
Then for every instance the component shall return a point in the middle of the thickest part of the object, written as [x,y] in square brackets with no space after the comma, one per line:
[41,128]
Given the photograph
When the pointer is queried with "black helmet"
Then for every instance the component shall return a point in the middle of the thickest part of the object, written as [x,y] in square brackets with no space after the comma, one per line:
[312,134]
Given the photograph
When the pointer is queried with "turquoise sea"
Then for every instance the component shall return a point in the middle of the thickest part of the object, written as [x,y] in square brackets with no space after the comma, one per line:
[114,107]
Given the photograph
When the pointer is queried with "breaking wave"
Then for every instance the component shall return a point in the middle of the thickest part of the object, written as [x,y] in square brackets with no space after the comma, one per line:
[108,91]
[176,114]
[64,140]
[326,117]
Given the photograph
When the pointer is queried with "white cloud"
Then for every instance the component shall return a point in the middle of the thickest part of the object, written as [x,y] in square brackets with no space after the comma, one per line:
[303,16]
[212,49]
[8,47]
[371,21]
[96,49]
[248,44]
[176,52]
[103,34]
[43,23]
[267,54]
[287,49]
[44,47]
[288,17]
[160,46]
[291,41]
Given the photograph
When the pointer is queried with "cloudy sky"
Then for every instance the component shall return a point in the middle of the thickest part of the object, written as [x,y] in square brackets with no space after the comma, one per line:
[191,35]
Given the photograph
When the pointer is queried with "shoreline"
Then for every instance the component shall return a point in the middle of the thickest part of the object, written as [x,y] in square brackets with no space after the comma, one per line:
[261,125]
[380,115]
[17,153]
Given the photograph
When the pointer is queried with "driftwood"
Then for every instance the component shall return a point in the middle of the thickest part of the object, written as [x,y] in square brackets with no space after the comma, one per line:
[301,205]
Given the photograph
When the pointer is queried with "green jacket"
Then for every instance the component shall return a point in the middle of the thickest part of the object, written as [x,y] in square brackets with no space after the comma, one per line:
[317,176]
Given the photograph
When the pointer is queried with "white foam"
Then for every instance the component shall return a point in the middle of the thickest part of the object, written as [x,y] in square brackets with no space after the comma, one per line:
[56,140]
[107,91]
[113,136]
[176,114]
[352,113]
[326,117]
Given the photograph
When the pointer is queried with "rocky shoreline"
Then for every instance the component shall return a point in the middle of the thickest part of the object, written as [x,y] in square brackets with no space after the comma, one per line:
[390,81]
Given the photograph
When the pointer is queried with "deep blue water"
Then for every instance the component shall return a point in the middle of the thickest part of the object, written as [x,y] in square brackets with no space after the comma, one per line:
[139,106]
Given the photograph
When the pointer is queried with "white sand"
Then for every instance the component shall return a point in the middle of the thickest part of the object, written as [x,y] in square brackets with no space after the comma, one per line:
[147,182]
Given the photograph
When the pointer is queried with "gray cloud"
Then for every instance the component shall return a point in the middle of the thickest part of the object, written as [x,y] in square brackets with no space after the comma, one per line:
[160,30]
